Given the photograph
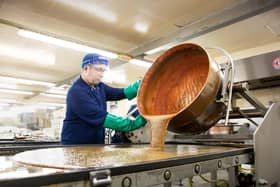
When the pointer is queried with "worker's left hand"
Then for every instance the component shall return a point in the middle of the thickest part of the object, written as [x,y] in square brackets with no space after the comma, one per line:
[131,91]
[123,124]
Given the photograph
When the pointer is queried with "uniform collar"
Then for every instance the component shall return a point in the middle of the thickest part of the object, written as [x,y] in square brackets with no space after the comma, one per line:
[86,84]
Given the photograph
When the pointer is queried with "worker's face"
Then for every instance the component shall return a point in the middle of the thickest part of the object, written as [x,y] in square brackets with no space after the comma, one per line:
[94,73]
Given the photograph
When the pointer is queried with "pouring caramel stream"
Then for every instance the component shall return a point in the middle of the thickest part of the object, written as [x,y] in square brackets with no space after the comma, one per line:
[159,124]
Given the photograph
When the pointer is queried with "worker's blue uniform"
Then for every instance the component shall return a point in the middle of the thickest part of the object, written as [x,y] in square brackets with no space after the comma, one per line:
[86,111]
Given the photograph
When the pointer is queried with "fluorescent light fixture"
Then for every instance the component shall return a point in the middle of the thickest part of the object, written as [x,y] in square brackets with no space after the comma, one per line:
[53,95]
[64,86]
[8,100]
[91,8]
[34,55]
[36,107]
[9,86]
[16,91]
[4,104]
[56,90]
[66,44]
[52,104]
[140,63]
[28,109]
[114,77]
[9,114]
[25,81]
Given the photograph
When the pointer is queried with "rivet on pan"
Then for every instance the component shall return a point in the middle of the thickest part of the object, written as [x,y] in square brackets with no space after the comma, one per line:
[220,164]
[167,174]
[196,169]
[126,182]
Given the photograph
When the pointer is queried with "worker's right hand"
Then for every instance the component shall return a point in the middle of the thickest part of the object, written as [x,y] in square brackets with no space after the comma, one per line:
[131,91]
[123,124]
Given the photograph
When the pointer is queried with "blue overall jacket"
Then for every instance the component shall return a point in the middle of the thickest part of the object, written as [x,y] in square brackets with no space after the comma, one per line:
[86,111]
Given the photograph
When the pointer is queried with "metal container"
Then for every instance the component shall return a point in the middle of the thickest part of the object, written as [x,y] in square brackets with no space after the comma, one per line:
[183,82]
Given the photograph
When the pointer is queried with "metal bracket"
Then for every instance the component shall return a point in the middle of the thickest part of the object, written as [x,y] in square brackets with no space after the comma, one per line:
[100,178]
[241,89]
[228,71]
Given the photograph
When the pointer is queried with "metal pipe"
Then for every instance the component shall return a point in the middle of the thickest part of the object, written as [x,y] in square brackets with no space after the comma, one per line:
[230,69]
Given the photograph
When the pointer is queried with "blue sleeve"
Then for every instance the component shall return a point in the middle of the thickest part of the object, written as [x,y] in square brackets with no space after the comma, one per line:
[114,94]
[86,108]
[135,113]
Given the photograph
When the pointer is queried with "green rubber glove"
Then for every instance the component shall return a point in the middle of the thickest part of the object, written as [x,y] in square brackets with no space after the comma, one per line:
[123,124]
[131,91]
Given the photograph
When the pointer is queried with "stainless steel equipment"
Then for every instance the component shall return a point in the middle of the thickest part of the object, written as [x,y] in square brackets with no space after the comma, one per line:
[266,143]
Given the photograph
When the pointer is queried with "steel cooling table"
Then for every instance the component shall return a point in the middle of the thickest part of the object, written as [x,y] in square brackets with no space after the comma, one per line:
[122,165]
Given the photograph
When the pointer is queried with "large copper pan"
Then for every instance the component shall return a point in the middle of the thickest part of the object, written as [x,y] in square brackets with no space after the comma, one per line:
[183,82]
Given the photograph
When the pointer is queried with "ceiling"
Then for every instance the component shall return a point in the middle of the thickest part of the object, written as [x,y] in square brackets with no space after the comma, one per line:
[128,28]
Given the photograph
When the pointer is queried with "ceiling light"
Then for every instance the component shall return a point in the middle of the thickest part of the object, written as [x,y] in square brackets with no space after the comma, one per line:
[92,8]
[53,95]
[4,104]
[34,55]
[140,63]
[114,77]
[16,91]
[25,81]
[52,104]
[8,100]
[10,85]
[56,90]
[141,27]
[64,86]
[44,107]
[63,43]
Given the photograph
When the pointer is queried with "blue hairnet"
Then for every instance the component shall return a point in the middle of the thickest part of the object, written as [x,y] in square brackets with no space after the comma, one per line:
[92,58]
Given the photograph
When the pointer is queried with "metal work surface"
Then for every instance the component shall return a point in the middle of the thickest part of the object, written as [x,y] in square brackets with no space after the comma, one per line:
[82,162]
[111,156]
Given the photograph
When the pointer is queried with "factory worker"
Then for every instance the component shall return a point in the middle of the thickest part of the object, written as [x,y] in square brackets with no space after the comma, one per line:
[86,112]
